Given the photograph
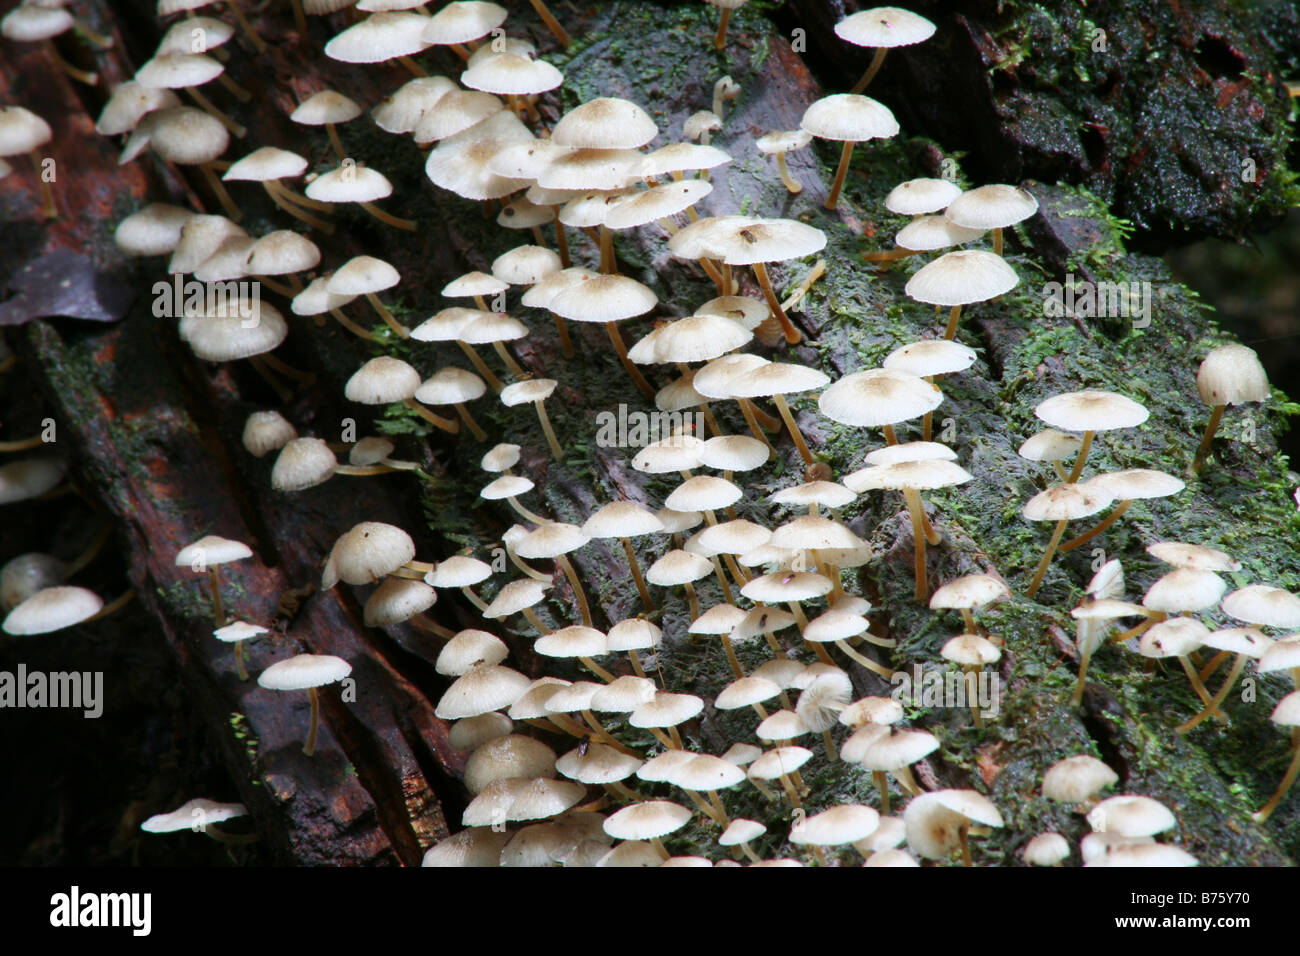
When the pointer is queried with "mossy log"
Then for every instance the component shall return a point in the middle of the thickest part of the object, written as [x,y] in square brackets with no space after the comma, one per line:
[154,434]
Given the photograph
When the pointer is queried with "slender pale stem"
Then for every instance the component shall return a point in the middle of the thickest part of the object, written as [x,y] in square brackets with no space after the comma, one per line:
[792,334]
[223,197]
[426,623]
[747,409]
[567,565]
[1105,523]
[917,511]
[720,38]
[247,27]
[616,337]
[480,366]
[865,661]
[276,192]
[411,66]
[235,90]
[1077,470]
[795,434]
[1047,558]
[556,450]
[552,24]
[214,585]
[635,566]
[395,221]
[332,132]
[1214,706]
[566,343]
[1203,450]
[596,669]
[1084,660]
[872,69]
[951,331]
[449,425]
[734,661]
[21,444]
[793,185]
[891,437]
[240,669]
[478,433]
[692,600]
[382,311]
[213,110]
[722,579]
[846,157]
[509,360]
[882,785]
[997,241]
[531,617]
[81,76]
[1195,680]
[1264,812]
[309,747]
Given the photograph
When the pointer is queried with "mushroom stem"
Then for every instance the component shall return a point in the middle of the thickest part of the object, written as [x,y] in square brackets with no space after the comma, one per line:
[337,143]
[113,606]
[473,598]
[509,361]
[692,600]
[596,669]
[846,155]
[1264,812]
[881,781]
[795,434]
[47,195]
[396,222]
[556,450]
[720,38]
[214,585]
[1047,558]
[240,669]
[468,419]
[636,664]
[449,425]
[635,566]
[561,240]
[277,194]
[888,255]
[917,511]
[382,311]
[81,76]
[285,369]
[635,373]
[701,804]
[723,820]
[88,554]
[792,335]
[1077,470]
[891,437]
[963,834]
[793,185]
[1195,680]
[566,344]
[223,197]
[480,366]
[247,27]
[535,519]
[747,409]
[235,90]
[1238,666]
[722,579]
[865,661]
[1139,629]
[567,566]
[1105,523]
[969,620]
[1203,449]
[552,24]
[762,788]
[972,695]
[531,617]
[829,743]
[872,69]
[997,241]
[310,747]
[951,331]
[460,51]
[21,444]
[1085,659]
[608,262]
[732,659]
[411,66]
[299,17]
[908,782]
[426,623]
[791,792]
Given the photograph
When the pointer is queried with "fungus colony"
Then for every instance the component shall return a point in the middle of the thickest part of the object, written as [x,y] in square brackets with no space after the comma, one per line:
[605,771]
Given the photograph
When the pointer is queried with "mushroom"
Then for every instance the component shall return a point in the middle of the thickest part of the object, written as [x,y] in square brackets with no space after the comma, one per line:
[775,380]
[208,554]
[306,672]
[555,540]
[1089,412]
[327,108]
[879,398]
[851,119]
[202,816]
[991,207]
[457,24]
[188,71]
[971,652]
[359,184]
[268,165]
[882,28]
[54,608]
[1125,487]
[651,821]
[1285,714]
[1062,504]
[454,386]
[385,380]
[390,35]
[625,520]
[536,391]
[778,144]
[22,131]
[608,299]
[1229,375]
[960,278]
[237,632]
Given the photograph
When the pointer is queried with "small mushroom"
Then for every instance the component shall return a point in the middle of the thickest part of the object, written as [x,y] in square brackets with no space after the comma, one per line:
[306,672]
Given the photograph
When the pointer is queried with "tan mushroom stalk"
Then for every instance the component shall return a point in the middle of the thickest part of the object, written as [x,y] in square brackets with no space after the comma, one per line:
[991,207]
[1246,644]
[778,144]
[555,540]
[208,554]
[850,119]
[1229,375]
[625,520]
[306,672]
[1089,412]
[1062,504]
[882,28]
[724,8]
[23,132]
[1125,487]
[385,380]
[957,279]
[366,275]
[1285,714]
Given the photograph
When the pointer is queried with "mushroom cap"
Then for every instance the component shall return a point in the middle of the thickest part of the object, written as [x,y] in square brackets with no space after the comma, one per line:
[666,710]
[1091,411]
[463,166]
[849,117]
[991,207]
[783,141]
[825,494]
[198,813]
[23,576]
[624,694]
[742,309]
[835,625]
[382,380]
[468,649]
[1066,502]
[781,586]
[372,450]
[622,519]
[572,641]
[515,596]
[1231,375]
[924,475]
[633,634]
[128,104]
[367,552]
[282,252]
[884,27]
[961,278]
[153,231]
[532,702]
[531,390]
[601,764]
[1283,655]
[927,233]
[733,537]
[361,275]
[1131,816]
[200,237]
[512,755]
[22,131]
[525,265]
[304,671]
[918,197]
[1152,854]
[643,821]
[350,184]
[484,688]
[649,205]
[606,298]
[178,70]
[877,397]
[746,692]
[1046,849]
[970,591]
[1193,556]
[680,157]
[1287,711]
[881,711]
[380,37]
[719,619]
[776,378]
[462,22]
[401,110]
[741,242]
[397,600]
[778,761]
[605,123]
[507,486]
[222,333]
[186,135]
[590,169]
[212,550]
[678,567]
[930,357]
[970,650]
[52,609]
[703,493]
[1077,779]
[265,164]
[459,571]
[1184,589]
[1263,605]
[762,620]
[473,284]
[1176,637]
[28,23]
[714,379]
[476,846]
[455,112]
[1247,641]
[302,463]
[781,725]
[470,733]
[814,532]
[898,749]
[541,798]
[1049,445]
[741,831]
[845,823]
[511,74]
[450,386]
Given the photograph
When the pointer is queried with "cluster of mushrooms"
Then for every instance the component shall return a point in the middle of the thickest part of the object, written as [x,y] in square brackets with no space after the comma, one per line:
[553,777]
